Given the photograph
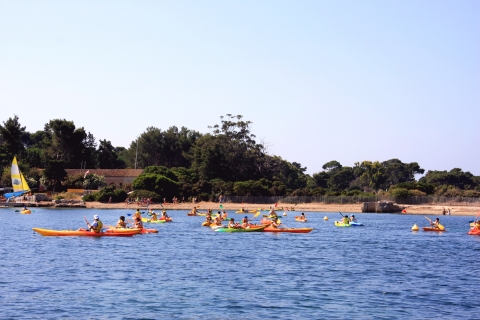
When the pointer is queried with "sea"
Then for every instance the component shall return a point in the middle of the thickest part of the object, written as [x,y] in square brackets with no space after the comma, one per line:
[382,270]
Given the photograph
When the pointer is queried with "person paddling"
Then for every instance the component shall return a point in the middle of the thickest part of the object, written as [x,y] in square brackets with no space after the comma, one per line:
[276,223]
[137,214]
[121,224]
[352,218]
[435,224]
[245,222]
[137,223]
[164,215]
[153,217]
[232,224]
[96,225]
[302,217]
[346,220]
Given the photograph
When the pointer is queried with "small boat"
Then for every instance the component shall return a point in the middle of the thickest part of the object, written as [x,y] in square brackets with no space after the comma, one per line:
[341,224]
[433,229]
[169,219]
[155,221]
[291,230]
[206,224]
[85,233]
[26,211]
[250,229]
[19,183]
[356,224]
[265,222]
[474,231]
[127,230]
[299,219]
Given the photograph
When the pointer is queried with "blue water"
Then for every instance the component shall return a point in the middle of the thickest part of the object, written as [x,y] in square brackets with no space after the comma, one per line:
[382,270]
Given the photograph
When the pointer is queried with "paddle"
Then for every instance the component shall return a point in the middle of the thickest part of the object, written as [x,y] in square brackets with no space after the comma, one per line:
[88,223]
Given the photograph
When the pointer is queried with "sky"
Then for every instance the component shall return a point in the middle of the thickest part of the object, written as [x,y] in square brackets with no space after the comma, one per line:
[320,80]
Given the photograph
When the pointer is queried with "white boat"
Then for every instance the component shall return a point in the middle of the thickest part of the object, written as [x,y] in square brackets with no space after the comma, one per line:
[19,183]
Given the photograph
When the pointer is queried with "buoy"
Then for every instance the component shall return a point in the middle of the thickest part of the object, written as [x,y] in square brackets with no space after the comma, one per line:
[285,214]
[325,218]
[415,227]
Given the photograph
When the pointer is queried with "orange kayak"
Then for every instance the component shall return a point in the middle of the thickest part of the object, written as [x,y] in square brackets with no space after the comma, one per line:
[291,230]
[127,230]
[169,219]
[474,231]
[433,229]
[85,233]
[266,222]
[299,219]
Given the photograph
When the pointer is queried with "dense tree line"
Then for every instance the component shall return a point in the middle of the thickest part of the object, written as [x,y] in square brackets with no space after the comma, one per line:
[227,160]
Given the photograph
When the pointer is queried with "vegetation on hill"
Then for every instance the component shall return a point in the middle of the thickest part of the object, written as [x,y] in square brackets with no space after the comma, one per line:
[184,163]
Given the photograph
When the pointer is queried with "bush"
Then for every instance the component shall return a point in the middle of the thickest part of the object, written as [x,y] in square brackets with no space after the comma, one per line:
[416,193]
[117,195]
[399,193]
[146,194]
[89,197]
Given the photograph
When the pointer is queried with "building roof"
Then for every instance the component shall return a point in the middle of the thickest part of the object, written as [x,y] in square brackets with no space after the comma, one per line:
[107,172]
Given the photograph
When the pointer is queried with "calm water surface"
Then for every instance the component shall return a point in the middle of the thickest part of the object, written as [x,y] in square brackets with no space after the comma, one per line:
[381,271]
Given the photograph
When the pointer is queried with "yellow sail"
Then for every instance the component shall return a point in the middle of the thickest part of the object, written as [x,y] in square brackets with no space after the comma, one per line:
[18,180]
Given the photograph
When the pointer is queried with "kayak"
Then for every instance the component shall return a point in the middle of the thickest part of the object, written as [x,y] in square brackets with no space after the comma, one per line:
[251,229]
[474,231]
[26,211]
[249,211]
[215,226]
[169,219]
[265,222]
[120,230]
[433,229]
[156,221]
[206,224]
[341,224]
[299,219]
[85,233]
[291,230]
[356,224]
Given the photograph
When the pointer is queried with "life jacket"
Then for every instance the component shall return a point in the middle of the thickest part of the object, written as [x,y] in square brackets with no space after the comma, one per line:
[98,228]
[121,224]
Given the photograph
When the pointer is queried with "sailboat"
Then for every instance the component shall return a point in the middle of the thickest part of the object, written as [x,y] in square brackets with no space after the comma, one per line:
[19,183]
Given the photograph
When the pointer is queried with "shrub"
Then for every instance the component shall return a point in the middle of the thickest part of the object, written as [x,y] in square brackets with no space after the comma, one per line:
[146,194]
[89,197]
[117,195]
[399,193]
[416,193]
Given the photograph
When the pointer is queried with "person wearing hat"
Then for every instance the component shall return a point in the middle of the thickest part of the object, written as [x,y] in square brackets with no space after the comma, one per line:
[153,217]
[245,222]
[352,218]
[96,226]
[164,215]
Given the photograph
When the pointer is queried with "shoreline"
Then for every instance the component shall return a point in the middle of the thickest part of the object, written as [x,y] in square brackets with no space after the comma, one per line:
[430,209]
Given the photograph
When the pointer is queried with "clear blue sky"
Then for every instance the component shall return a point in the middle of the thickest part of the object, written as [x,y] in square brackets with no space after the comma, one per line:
[320,80]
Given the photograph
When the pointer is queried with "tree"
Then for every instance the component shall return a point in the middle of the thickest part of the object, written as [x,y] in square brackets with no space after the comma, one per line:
[55,173]
[11,144]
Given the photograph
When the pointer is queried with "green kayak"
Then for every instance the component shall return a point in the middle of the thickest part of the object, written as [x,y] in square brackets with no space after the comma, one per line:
[341,224]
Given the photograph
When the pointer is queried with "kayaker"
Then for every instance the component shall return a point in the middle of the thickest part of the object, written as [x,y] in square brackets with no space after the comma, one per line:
[153,216]
[346,220]
[435,224]
[96,225]
[208,218]
[302,217]
[273,214]
[352,218]
[276,223]
[232,224]
[218,221]
[137,214]
[193,212]
[164,214]
[224,215]
[137,223]
[245,222]
[121,224]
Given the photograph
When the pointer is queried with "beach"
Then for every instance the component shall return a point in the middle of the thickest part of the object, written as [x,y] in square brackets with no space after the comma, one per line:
[431,209]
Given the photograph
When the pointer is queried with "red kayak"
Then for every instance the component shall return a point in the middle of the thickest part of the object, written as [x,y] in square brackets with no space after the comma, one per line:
[474,231]
[169,219]
[291,230]
[433,229]
[266,222]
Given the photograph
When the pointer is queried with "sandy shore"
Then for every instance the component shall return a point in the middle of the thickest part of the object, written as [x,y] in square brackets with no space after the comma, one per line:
[310,207]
